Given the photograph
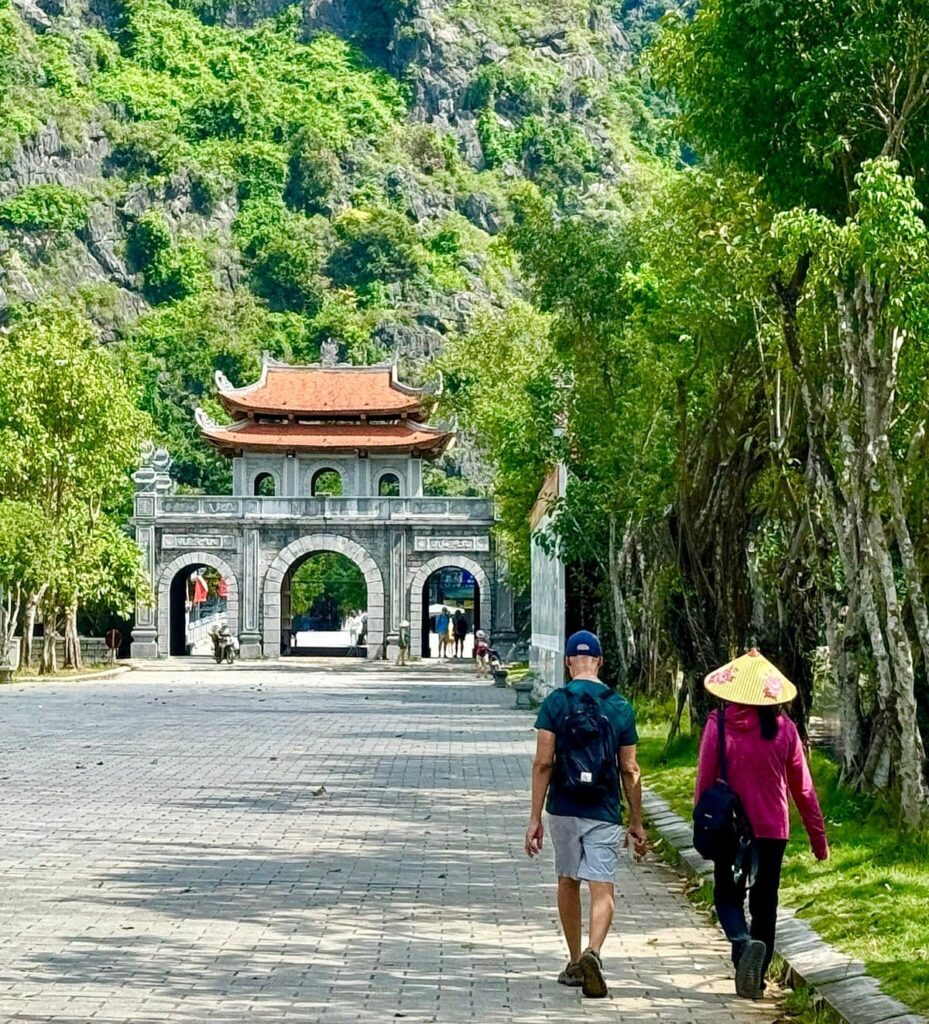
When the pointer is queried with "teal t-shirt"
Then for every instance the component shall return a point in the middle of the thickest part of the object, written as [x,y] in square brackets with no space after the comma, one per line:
[622,717]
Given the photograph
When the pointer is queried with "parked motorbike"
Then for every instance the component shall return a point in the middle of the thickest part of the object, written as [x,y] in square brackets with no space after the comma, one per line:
[225,647]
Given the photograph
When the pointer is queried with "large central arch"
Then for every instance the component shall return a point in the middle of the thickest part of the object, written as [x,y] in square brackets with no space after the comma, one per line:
[188,560]
[274,577]
[449,561]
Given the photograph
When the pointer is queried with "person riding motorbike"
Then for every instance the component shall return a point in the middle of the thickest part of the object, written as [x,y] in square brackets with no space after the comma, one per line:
[225,645]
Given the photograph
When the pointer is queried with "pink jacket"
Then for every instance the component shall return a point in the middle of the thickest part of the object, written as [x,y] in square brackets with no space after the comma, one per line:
[761,772]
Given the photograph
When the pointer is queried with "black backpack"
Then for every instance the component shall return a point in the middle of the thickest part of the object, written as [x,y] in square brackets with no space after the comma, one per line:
[722,831]
[585,749]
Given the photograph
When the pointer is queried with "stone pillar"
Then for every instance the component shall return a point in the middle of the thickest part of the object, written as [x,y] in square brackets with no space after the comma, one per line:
[250,635]
[415,482]
[396,592]
[152,480]
[145,632]
[290,477]
[503,625]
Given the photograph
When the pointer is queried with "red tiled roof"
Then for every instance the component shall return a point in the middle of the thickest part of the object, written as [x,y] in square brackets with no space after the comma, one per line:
[313,391]
[330,437]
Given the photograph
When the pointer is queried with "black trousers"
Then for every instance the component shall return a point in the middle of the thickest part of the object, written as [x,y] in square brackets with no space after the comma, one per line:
[729,898]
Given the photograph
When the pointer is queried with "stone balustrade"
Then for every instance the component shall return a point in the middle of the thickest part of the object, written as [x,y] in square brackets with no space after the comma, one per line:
[206,508]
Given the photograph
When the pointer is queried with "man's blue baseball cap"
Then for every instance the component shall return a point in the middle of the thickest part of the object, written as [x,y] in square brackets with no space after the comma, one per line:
[583,644]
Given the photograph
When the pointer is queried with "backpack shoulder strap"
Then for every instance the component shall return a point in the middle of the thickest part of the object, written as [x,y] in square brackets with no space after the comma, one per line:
[721,737]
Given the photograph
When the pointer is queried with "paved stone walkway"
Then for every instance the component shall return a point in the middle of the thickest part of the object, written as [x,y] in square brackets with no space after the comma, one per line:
[314,843]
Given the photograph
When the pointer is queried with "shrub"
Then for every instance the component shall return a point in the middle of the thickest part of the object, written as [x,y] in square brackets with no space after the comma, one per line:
[146,148]
[313,173]
[147,239]
[374,245]
[284,263]
[45,208]
[170,271]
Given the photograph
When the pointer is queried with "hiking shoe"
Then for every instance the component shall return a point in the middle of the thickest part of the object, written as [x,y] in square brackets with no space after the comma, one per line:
[749,974]
[572,976]
[593,984]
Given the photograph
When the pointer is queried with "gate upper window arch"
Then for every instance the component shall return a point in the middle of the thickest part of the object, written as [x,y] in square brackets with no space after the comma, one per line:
[265,486]
[326,483]
[388,485]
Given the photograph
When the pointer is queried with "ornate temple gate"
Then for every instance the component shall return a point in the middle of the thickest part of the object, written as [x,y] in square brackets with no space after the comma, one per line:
[253,540]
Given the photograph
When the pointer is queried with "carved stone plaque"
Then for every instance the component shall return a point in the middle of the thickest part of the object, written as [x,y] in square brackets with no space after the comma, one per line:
[174,505]
[451,543]
[187,542]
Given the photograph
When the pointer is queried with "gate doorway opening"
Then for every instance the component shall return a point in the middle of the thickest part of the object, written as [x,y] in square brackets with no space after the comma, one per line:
[198,606]
[451,599]
[324,601]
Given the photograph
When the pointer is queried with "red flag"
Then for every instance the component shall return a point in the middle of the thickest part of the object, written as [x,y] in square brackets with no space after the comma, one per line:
[221,589]
[200,590]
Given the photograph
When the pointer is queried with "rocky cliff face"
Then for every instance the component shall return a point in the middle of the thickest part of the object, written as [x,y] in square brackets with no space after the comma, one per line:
[469,76]
[239,170]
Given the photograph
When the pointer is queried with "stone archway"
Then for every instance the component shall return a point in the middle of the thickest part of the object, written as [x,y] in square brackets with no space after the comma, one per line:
[187,560]
[423,573]
[274,578]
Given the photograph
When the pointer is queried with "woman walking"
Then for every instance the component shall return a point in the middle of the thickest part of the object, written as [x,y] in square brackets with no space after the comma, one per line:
[764,762]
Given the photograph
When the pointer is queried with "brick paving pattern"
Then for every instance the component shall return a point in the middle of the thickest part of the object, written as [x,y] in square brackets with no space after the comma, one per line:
[306,843]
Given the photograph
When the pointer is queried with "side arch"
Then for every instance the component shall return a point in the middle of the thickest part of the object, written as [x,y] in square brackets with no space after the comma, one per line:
[260,474]
[185,561]
[423,573]
[393,471]
[277,570]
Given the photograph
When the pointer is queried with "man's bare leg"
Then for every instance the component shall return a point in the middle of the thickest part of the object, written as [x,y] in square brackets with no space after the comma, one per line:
[601,912]
[569,909]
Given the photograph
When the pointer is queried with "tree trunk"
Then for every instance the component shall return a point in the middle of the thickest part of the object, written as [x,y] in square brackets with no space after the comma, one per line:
[72,640]
[29,617]
[49,663]
[621,625]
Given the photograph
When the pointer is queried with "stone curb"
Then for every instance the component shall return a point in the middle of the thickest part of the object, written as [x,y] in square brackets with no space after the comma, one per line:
[119,670]
[841,981]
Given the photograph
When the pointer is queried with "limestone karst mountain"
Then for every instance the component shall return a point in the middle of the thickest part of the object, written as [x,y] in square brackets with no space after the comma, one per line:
[209,179]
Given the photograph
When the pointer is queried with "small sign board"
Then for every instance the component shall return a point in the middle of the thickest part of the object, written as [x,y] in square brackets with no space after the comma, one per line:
[113,639]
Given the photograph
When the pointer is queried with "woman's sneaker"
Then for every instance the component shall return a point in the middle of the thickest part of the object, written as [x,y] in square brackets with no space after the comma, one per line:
[594,984]
[749,972]
[572,976]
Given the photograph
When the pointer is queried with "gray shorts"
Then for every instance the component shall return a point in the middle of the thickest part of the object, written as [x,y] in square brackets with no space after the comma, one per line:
[585,849]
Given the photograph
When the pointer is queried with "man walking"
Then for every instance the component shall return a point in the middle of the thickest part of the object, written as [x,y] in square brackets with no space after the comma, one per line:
[460,623]
[586,744]
[441,628]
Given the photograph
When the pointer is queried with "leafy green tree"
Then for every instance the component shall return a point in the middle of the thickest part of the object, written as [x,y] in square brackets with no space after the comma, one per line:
[69,434]
[28,557]
[509,415]
[827,104]
[173,353]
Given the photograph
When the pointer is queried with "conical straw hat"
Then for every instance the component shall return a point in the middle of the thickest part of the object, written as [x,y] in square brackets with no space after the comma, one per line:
[751,679]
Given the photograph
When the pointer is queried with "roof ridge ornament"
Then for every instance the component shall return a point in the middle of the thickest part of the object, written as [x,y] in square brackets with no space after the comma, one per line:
[329,354]
[223,383]
[204,420]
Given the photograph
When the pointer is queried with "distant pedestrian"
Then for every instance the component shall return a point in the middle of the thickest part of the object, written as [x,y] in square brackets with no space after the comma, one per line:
[481,653]
[460,623]
[441,628]
[763,761]
[403,643]
[586,745]
[353,624]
